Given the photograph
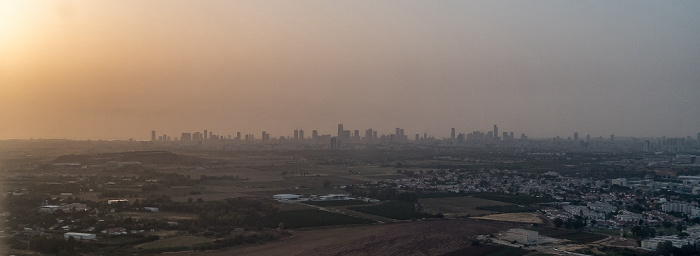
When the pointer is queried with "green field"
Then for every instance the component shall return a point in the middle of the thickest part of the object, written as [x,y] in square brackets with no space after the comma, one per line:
[335,203]
[459,206]
[311,218]
[394,209]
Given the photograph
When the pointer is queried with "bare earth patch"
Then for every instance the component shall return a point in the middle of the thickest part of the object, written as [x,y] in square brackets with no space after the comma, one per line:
[522,217]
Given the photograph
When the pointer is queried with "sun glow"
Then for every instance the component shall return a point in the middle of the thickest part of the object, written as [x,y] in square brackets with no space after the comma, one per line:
[17,18]
[11,13]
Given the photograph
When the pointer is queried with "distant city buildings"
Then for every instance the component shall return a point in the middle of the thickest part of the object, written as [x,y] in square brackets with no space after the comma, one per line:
[355,138]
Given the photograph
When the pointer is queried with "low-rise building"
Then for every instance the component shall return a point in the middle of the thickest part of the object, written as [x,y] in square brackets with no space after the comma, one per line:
[521,236]
[80,236]
[286,198]
[652,243]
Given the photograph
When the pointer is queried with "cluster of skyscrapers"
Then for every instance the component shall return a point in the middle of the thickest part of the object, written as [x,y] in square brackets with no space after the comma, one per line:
[345,137]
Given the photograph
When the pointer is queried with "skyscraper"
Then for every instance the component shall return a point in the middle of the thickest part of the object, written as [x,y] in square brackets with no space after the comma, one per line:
[340,130]
[153,135]
[296,135]
[495,133]
[452,135]
[301,134]
[205,134]
[647,146]
[575,136]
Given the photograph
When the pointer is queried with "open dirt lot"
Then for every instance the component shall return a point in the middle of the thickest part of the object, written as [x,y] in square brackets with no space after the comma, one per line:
[514,217]
[408,238]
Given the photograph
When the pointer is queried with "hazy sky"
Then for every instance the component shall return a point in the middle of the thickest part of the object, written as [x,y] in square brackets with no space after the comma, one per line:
[119,69]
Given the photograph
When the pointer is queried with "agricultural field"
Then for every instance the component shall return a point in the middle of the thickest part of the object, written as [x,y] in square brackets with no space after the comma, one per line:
[513,199]
[332,203]
[509,208]
[514,217]
[569,234]
[430,237]
[311,218]
[178,241]
[490,250]
[157,215]
[459,206]
[216,194]
[279,175]
[394,209]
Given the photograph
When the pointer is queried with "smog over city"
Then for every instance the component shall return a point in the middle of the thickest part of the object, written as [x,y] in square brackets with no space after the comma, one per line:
[349,127]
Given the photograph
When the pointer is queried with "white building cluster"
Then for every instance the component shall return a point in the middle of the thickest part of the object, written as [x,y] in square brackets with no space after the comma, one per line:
[681,207]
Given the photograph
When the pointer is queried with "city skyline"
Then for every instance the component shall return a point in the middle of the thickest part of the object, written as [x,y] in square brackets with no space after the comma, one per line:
[447,133]
[117,70]
[362,133]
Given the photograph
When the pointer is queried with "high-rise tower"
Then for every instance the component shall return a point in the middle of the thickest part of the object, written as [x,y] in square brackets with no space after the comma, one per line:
[495,133]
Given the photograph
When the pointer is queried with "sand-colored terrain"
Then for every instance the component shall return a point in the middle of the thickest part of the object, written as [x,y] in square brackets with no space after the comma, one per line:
[513,217]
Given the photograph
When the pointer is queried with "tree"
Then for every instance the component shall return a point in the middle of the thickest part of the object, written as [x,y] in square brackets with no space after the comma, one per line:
[665,248]
[558,222]
[679,227]
[666,224]
[578,224]
[687,250]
